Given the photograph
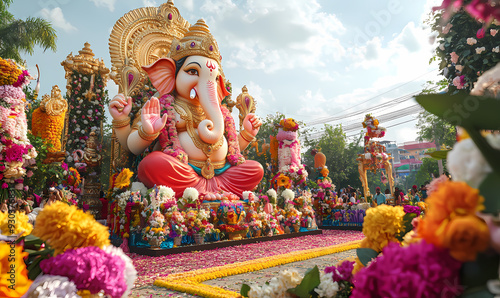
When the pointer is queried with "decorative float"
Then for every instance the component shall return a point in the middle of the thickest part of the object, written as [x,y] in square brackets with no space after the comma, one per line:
[192,184]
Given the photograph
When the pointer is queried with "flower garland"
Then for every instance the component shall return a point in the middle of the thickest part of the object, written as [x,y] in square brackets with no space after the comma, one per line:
[9,72]
[17,155]
[48,127]
[86,115]
[191,282]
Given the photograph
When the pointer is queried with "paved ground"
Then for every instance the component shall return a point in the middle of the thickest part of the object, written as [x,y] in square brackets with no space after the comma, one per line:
[149,268]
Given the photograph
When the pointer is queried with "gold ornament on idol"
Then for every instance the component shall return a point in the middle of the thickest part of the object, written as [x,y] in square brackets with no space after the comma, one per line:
[193,115]
[196,42]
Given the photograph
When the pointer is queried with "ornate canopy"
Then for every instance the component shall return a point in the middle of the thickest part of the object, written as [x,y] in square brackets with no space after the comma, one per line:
[139,38]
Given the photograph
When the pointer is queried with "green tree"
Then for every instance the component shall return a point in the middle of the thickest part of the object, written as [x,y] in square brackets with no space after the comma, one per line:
[18,36]
[340,156]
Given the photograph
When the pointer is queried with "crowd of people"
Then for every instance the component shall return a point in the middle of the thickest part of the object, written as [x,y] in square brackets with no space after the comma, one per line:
[32,204]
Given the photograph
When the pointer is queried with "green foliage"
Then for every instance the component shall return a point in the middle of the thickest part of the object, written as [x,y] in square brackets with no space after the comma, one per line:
[244,290]
[306,287]
[474,275]
[36,254]
[18,36]
[407,226]
[43,174]
[455,40]
[489,190]
[428,170]
[366,255]
[340,156]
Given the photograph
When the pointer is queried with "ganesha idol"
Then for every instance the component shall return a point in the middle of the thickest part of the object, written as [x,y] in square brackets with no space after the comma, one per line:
[195,143]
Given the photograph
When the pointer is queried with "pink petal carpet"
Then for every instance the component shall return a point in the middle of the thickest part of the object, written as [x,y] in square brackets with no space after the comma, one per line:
[150,268]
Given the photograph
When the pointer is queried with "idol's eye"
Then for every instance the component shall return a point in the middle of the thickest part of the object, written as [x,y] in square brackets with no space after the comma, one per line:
[192,72]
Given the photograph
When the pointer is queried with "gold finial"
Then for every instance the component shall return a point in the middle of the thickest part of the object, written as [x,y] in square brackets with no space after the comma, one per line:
[245,103]
[197,41]
[86,51]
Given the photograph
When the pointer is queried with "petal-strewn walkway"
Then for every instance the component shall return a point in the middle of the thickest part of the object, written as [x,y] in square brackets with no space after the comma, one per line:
[149,268]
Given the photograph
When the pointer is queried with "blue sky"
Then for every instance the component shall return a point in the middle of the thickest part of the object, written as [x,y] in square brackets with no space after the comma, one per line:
[308,59]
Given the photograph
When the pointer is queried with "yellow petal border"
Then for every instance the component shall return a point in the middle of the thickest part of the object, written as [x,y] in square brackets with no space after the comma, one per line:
[191,282]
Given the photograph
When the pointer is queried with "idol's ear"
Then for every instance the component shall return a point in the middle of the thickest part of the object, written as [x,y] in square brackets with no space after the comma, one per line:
[162,75]
[221,89]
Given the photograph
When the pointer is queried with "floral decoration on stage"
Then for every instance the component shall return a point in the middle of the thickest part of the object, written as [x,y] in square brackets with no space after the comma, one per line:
[17,155]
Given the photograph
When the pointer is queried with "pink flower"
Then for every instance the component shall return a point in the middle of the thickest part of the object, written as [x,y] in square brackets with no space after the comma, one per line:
[493,32]
[454,57]
[5,185]
[481,9]
[420,269]
[89,268]
[480,33]
[29,173]
[19,186]
[459,82]
[459,68]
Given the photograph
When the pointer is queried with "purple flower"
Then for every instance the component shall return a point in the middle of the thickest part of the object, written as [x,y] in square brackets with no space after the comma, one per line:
[412,209]
[419,270]
[341,272]
[89,268]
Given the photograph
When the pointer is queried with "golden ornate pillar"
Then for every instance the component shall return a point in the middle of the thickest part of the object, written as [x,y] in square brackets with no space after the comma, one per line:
[86,78]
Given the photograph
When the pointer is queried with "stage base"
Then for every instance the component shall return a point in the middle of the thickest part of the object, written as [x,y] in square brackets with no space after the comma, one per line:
[147,251]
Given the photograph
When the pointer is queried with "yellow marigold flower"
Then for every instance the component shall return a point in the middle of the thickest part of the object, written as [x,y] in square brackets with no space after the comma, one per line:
[123,179]
[19,220]
[13,271]
[381,224]
[65,227]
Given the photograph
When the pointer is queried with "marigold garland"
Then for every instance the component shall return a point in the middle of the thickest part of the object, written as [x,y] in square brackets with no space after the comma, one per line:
[9,72]
[65,227]
[49,128]
[21,224]
[191,282]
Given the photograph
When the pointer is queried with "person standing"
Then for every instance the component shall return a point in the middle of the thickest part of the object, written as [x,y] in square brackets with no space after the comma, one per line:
[379,197]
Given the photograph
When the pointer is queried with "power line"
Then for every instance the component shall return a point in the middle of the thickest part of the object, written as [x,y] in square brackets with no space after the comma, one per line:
[382,118]
[325,119]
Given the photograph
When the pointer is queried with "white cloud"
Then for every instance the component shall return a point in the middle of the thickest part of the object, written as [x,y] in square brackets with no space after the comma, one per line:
[149,3]
[56,17]
[110,4]
[188,4]
[270,36]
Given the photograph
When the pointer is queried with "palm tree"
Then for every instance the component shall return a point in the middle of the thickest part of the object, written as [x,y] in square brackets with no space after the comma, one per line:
[23,35]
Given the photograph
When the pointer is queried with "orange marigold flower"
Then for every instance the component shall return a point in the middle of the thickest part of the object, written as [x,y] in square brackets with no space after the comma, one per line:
[465,236]
[450,220]
[13,260]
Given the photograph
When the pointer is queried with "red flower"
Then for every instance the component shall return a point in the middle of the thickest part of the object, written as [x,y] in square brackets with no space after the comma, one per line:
[480,33]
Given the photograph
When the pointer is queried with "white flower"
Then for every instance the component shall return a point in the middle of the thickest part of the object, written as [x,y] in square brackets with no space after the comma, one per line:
[78,112]
[255,291]
[85,79]
[246,194]
[441,47]
[89,112]
[496,49]
[190,194]
[85,122]
[166,192]
[272,193]
[290,277]
[480,50]
[288,194]
[139,186]
[471,41]
[202,214]
[466,163]
[327,288]
[52,286]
